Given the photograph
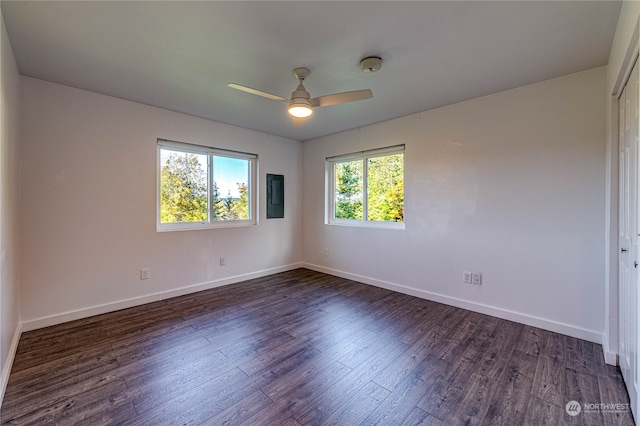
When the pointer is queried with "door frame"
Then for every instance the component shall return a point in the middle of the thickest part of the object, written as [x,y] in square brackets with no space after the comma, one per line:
[611,338]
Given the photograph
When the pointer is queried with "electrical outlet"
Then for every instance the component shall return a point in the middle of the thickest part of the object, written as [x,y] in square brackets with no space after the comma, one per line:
[326,252]
[222,261]
[467,277]
[477,279]
[144,273]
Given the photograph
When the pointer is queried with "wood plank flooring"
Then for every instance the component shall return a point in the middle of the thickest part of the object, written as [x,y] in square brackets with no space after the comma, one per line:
[304,348]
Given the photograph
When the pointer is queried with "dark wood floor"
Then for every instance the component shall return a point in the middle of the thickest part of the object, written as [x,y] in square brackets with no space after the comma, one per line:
[303,348]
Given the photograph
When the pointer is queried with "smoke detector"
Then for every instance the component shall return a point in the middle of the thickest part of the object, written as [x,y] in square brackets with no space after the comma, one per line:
[371,64]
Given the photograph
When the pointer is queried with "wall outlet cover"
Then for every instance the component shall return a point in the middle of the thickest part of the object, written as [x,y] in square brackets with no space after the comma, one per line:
[477,279]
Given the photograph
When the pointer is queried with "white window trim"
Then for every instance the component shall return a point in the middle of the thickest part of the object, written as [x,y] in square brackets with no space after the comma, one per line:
[330,183]
[209,224]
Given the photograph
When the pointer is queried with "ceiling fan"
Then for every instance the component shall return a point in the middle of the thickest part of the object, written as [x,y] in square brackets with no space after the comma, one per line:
[301,103]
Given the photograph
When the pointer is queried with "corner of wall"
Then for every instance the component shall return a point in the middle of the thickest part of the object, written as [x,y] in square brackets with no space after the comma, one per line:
[6,367]
[10,137]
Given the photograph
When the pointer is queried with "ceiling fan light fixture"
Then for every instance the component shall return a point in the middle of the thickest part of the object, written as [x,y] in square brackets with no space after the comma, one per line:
[300,108]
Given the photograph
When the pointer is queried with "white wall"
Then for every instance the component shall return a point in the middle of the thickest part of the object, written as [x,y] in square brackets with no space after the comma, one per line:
[510,185]
[89,206]
[619,59]
[9,218]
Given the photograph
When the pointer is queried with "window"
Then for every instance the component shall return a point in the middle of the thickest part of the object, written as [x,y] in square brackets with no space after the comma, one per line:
[367,188]
[201,187]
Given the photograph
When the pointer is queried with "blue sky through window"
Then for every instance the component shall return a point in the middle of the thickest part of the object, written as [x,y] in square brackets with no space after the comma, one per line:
[228,172]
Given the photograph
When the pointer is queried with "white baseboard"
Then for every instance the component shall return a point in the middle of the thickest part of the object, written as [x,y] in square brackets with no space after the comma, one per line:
[558,327]
[6,368]
[128,303]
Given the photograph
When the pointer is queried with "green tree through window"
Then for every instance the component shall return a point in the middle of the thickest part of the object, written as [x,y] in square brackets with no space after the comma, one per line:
[203,188]
[349,179]
[183,187]
[385,184]
[369,187]
[230,207]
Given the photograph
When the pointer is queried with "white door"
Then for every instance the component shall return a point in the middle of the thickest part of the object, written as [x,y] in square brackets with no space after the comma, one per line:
[628,267]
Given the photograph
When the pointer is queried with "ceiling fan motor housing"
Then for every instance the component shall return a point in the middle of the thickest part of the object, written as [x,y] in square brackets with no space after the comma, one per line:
[300,93]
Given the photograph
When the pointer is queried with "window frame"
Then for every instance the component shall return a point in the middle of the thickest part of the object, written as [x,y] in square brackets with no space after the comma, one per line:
[252,186]
[330,187]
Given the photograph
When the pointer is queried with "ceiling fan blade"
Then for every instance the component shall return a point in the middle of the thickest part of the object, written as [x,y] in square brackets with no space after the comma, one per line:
[257,92]
[342,98]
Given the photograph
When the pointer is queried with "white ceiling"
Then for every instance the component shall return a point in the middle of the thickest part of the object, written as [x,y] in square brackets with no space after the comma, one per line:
[181,55]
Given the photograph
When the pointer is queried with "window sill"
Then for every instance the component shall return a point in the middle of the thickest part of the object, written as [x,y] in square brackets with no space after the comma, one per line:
[199,226]
[367,224]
